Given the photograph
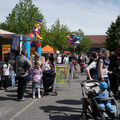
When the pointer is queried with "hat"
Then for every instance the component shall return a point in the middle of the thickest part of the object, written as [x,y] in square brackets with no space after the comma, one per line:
[103,85]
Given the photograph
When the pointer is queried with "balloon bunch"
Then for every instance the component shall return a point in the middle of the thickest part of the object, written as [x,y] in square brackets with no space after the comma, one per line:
[73,40]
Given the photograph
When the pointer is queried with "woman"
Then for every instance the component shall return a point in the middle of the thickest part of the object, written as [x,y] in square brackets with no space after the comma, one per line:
[103,68]
[92,68]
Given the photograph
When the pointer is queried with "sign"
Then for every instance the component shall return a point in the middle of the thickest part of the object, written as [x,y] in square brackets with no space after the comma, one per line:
[16,43]
[5,49]
[62,74]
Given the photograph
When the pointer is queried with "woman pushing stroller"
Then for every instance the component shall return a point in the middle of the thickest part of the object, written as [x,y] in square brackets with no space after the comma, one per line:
[95,71]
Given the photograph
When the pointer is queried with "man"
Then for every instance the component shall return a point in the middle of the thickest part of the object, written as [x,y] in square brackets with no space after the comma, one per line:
[22,66]
[59,59]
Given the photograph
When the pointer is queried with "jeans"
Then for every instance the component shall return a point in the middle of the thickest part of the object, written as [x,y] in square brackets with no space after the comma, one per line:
[106,79]
[22,83]
[12,74]
[106,105]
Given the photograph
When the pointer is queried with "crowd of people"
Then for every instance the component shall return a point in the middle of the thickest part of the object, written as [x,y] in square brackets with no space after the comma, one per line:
[98,66]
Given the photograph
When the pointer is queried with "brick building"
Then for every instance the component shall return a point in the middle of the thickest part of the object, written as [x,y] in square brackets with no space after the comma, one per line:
[98,41]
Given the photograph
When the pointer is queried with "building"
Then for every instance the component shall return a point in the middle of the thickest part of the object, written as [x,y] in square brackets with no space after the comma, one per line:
[98,41]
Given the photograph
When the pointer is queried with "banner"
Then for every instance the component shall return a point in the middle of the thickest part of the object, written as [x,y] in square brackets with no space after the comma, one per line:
[5,49]
[62,74]
[16,43]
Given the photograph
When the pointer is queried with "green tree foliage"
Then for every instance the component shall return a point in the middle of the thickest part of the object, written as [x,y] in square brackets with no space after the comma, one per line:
[113,32]
[79,32]
[56,36]
[84,46]
[22,18]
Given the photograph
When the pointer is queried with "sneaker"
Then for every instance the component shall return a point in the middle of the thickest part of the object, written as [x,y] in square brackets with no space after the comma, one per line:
[39,96]
[33,97]
[21,99]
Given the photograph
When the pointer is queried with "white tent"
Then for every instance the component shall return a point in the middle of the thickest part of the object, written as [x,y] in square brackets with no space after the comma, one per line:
[5,32]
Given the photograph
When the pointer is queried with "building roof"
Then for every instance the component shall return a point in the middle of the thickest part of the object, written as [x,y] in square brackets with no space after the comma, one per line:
[98,41]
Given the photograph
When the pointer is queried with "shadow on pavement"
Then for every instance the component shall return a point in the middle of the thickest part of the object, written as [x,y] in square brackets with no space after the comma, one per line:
[59,112]
[64,116]
[69,102]
[8,98]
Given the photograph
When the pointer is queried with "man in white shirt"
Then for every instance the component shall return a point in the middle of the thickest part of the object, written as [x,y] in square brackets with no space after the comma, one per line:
[59,59]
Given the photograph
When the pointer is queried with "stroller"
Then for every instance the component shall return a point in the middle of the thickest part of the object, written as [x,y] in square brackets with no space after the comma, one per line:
[48,82]
[90,108]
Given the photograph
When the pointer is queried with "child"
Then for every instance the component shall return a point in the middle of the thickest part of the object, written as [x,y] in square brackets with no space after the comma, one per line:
[6,74]
[103,94]
[12,74]
[36,73]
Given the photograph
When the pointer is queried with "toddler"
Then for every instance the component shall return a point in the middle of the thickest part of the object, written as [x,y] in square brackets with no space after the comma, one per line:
[36,73]
[103,94]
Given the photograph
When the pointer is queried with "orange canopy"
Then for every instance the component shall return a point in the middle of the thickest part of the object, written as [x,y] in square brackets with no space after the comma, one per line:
[47,49]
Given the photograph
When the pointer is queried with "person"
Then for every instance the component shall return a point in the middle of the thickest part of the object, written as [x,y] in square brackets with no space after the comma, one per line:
[103,68]
[36,73]
[6,74]
[103,94]
[48,76]
[51,58]
[65,60]
[92,68]
[22,66]
[113,77]
[59,59]
[47,65]
[12,74]
[82,63]
[71,65]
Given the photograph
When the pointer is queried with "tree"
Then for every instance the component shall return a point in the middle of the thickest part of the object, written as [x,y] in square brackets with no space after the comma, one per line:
[113,32]
[56,36]
[84,46]
[79,32]
[22,18]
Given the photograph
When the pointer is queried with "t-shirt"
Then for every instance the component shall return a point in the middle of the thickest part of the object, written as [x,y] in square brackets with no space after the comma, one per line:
[65,60]
[92,65]
[59,59]
[94,70]
[106,63]
[6,69]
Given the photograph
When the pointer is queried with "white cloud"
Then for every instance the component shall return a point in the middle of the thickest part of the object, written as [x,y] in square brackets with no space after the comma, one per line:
[92,16]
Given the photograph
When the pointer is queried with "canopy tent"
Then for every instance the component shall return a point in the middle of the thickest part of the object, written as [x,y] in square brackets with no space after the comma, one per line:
[66,52]
[47,49]
[5,32]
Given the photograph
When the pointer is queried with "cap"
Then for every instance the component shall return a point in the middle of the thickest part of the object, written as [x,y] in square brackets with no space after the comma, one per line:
[103,85]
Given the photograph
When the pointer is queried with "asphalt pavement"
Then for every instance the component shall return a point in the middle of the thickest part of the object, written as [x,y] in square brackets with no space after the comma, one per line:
[67,105]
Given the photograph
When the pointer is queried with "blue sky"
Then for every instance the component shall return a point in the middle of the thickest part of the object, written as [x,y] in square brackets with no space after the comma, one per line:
[93,17]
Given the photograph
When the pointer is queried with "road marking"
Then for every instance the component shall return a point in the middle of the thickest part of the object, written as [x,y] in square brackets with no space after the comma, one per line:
[17,114]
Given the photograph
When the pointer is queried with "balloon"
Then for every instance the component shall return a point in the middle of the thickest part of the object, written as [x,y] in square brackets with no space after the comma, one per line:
[73,40]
